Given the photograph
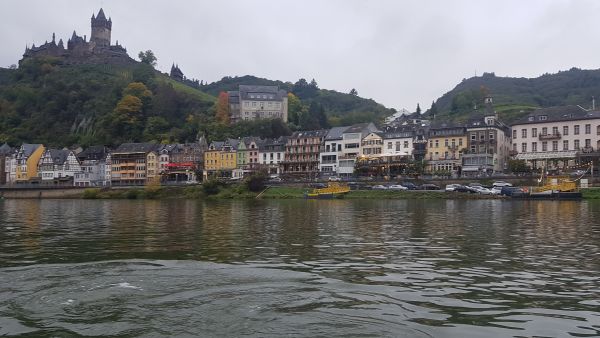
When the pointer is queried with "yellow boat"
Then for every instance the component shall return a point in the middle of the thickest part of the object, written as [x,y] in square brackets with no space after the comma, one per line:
[333,190]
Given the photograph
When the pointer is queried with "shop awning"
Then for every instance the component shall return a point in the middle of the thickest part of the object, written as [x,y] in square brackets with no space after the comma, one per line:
[546,155]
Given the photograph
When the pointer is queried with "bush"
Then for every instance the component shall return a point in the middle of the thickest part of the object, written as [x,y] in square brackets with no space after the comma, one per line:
[90,194]
[256,181]
[132,194]
[211,187]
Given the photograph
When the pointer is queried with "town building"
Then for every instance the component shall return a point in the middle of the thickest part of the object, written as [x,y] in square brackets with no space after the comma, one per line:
[557,137]
[27,159]
[5,155]
[94,166]
[185,162]
[302,152]
[342,148]
[220,159]
[58,166]
[251,102]
[446,144]
[271,154]
[129,164]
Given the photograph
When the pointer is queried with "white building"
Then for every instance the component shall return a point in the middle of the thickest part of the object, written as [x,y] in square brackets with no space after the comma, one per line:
[93,168]
[557,136]
[398,143]
[341,148]
[258,102]
[271,153]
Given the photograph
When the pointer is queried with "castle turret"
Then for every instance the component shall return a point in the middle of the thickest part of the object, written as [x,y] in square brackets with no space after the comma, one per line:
[101,29]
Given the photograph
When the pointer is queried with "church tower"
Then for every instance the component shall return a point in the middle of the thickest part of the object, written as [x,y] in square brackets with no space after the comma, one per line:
[101,30]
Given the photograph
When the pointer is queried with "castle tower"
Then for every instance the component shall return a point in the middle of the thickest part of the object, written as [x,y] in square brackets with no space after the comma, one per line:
[101,30]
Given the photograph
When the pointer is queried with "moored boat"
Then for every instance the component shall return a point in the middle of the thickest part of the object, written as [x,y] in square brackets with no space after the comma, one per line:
[333,190]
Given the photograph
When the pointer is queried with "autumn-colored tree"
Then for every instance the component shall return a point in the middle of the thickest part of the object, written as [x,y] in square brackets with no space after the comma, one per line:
[137,89]
[222,108]
[295,109]
[129,109]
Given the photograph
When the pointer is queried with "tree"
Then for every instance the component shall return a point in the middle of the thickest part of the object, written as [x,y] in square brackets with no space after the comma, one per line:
[295,109]
[148,57]
[140,91]
[353,92]
[222,108]
[433,111]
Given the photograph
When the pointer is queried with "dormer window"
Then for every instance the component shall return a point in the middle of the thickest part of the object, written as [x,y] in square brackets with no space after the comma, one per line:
[543,117]
[531,118]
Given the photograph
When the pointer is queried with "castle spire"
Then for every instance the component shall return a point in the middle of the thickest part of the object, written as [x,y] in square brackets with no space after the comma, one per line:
[74,35]
[101,15]
[54,38]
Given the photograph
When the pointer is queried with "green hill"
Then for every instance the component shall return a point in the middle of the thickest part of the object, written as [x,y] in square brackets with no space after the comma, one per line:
[515,97]
[47,102]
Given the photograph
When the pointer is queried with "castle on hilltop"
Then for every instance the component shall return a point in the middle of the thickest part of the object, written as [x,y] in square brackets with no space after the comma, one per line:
[98,50]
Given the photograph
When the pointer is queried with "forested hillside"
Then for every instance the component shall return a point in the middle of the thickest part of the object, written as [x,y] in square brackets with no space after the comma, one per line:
[43,101]
[514,97]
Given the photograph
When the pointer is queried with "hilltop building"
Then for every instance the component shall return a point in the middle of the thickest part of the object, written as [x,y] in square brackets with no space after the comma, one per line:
[258,102]
[98,50]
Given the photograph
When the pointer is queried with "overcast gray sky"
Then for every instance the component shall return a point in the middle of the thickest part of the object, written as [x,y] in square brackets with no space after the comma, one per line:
[396,52]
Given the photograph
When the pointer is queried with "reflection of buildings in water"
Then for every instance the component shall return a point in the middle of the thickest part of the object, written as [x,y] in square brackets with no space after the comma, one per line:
[558,220]
[30,214]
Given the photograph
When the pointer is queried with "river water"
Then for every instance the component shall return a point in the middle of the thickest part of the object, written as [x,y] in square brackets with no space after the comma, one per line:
[296,268]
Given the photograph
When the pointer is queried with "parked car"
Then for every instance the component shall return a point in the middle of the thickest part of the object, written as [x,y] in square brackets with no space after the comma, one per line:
[462,188]
[379,187]
[275,179]
[334,179]
[475,184]
[429,186]
[512,191]
[496,190]
[397,187]
[482,190]
[501,184]
[409,185]
[452,187]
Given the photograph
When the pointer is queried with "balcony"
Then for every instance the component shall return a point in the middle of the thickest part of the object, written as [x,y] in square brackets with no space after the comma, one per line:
[553,136]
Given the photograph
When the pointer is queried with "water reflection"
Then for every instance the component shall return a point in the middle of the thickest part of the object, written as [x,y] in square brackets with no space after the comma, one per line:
[504,268]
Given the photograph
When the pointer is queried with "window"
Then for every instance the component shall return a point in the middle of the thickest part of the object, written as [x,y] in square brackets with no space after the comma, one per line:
[534,146]
[473,149]
[491,135]
[588,128]
[588,143]
[253,103]
[514,147]
[598,130]
[576,144]
[397,145]
[446,142]
[460,142]
[543,117]
[534,132]
[524,133]
[544,131]
[554,130]
[524,147]
[514,134]
[437,143]
[544,146]
[389,145]
[565,130]
[554,145]
[565,144]
[473,136]
[576,130]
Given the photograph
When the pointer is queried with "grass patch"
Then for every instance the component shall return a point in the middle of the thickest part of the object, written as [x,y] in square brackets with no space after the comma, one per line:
[590,193]
[284,192]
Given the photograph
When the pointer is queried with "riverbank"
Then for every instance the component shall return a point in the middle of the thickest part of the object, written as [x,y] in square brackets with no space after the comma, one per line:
[240,191]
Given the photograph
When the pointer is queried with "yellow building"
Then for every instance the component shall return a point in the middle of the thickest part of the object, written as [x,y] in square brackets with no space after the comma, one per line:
[445,147]
[221,158]
[28,158]
[152,166]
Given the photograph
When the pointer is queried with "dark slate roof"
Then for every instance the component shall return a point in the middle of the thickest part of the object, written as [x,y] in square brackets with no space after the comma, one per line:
[5,149]
[362,128]
[28,149]
[309,133]
[101,15]
[556,114]
[397,134]
[234,96]
[217,145]
[137,148]
[335,133]
[58,156]
[232,142]
[94,153]
[272,93]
